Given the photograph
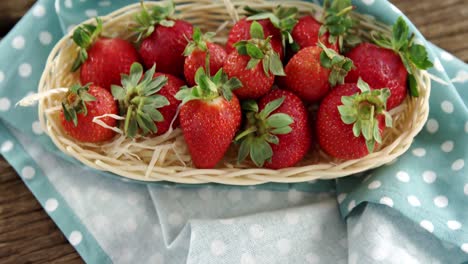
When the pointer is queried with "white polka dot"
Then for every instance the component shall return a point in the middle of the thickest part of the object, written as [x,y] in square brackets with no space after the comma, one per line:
[131,225]
[91,13]
[466,127]
[264,196]
[386,201]
[447,107]
[28,172]
[218,247]
[374,185]
[51,205]
[104,3]
[341,197]
[6,146]
[432,126]
[454,225]
[429,176]
[4,104]
[292,218]
[368,2]
[75,238]
[351,205]
[175,219]
[284,246]
[206,194]
[427,225]
[312,258]
[458,165]
[441,201]
[446,56]
[465,189]
[68,4]
[403,176]
[256,231]
[71,28]
[294,196]
[36,128]
[45,37]
[25,70]
[447,146]
[414,201]
[461,77]
[438,65]
[419,152]
[227,221]
[2,78]
[246,258]
[353,258]
[464,247]
[39,11]
[18,42]
[234,195]
[381,251]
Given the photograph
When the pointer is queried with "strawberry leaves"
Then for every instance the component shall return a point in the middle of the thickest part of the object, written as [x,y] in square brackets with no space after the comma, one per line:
[209,88]
[261,131]
[75,102]
[283,18]
[337,21]
[259,50]
[148,20]
[414,56]
[139,100]
[198,41]
[338,64]
[84,37]
[362,110]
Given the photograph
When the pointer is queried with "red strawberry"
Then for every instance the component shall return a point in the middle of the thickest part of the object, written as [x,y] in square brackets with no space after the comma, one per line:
[103,61]
[247,64]
[209,117]
[169,111]
[392,65]
[278,133]
[147,101]
[81,106]
[313,70]
[196,52]
[241,31]
[164,40]
[306,34]
[352,130]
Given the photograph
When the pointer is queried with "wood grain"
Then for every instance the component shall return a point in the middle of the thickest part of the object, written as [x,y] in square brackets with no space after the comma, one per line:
[28,235]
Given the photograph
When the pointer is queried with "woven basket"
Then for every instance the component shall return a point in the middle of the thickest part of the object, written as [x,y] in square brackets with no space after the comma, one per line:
[166,158]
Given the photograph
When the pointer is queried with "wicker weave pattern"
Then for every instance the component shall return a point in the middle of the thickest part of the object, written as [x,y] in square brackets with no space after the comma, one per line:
[166,157]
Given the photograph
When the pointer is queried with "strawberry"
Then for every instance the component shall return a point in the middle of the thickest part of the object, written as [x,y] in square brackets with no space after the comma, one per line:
[350,120]
[392,65]
[102,60]
[82,104]
[255,63]
[241,31]
[278,133]
[306,34]
[196,52]
[313,70]
[164,40]
[141,101]
[209,117]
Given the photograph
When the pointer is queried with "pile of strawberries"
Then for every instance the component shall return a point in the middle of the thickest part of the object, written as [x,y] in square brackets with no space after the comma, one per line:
[260,92]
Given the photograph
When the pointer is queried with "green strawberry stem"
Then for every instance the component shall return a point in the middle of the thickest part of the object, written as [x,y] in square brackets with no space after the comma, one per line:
[259,50]
[198,41]
[75,102]
[338,64]
[139,100]
[262,129]
[208,87]
[337,21]
[362,110]
[413,56]
[283,18]
[148,20]
[84,37]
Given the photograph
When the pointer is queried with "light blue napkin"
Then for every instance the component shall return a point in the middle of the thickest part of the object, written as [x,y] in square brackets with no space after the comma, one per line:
[109,219]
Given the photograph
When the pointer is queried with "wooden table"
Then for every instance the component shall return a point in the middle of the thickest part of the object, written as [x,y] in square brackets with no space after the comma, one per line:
[28,235]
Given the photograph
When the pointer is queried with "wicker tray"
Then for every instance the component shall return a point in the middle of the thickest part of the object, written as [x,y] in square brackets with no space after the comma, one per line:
[166,158]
